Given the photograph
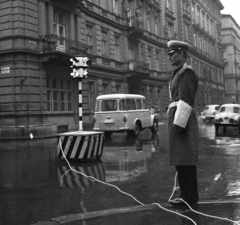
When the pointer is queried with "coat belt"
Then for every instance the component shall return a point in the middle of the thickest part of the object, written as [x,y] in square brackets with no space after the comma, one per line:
[172,104]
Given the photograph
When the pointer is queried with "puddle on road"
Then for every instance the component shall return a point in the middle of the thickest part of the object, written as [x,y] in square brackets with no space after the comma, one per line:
[83,175]
[127,158]
[31,178]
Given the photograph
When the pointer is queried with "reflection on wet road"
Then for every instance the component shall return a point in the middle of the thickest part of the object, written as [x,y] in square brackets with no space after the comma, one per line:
[69,178]
[126,158]
[36,186]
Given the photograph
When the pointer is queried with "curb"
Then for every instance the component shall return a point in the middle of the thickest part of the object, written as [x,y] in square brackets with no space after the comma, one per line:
[55,135]
[26,138]
[96,214]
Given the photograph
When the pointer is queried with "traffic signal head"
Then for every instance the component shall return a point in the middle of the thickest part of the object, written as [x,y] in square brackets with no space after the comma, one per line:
[79,66]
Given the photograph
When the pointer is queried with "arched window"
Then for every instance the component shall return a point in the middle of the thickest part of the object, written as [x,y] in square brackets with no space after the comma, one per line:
[206,22]
[202,19]
[185,5]
[195,39]
[193,11]
[198,15]
[200,42]
[169,5]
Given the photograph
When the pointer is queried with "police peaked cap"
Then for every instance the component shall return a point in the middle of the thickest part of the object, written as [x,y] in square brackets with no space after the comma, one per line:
[175,45]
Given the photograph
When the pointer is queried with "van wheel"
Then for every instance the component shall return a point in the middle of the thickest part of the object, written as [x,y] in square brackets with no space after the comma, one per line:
[136,130]
[107,134]
[154,128]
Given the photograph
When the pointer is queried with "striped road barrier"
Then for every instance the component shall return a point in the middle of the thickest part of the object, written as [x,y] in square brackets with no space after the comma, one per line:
[81,145]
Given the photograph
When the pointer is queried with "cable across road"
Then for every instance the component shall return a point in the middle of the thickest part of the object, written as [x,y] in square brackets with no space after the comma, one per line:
[139,202]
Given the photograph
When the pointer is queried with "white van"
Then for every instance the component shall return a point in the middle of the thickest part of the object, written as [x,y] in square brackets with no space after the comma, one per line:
[123,112]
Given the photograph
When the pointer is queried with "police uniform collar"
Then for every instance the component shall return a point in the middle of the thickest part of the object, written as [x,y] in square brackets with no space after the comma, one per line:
[184,65]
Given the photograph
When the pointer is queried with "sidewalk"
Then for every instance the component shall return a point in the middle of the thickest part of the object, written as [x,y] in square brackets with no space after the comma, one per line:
[86,127]
[54,134]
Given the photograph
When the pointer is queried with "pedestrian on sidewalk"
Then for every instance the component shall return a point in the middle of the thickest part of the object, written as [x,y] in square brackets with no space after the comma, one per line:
[182,123]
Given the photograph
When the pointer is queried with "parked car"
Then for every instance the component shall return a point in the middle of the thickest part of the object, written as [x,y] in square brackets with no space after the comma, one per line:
[228,115]
[209,112]
[123,113]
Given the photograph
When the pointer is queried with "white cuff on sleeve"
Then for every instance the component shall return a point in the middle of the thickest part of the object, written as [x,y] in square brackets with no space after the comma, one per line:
[182,114]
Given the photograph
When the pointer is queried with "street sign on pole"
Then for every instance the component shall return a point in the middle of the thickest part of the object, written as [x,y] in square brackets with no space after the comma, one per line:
[5,70]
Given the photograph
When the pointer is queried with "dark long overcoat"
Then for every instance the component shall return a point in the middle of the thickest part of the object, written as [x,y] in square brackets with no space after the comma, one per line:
[183,145]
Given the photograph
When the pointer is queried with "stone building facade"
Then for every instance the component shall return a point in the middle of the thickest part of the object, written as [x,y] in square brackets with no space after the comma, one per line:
[203,30]
[126,42]
[231,55]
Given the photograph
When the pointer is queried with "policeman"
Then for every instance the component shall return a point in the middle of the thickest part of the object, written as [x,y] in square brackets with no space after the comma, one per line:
[182,123]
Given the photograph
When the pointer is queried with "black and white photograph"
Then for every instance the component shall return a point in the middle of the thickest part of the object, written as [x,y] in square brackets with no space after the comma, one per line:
[123,112]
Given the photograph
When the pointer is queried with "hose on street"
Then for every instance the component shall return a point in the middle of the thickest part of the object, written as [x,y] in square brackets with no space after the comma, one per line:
[125,193]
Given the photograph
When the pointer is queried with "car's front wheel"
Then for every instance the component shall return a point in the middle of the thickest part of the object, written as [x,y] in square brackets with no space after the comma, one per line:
[154,127]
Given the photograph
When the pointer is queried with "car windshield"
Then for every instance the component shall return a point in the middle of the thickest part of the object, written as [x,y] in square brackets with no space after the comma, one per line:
[229,109]
[109,105]
[212,107]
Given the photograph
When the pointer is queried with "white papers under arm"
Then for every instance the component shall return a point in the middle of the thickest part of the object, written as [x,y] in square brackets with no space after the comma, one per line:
[182,114]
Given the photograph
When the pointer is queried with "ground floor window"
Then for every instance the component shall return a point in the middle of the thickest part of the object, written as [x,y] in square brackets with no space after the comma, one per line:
[59,95]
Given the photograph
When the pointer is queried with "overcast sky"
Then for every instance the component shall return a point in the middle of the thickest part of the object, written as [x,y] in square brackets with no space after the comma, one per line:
[232,7]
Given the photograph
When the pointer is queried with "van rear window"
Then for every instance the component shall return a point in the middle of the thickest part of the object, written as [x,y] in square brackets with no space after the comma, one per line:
[109,105]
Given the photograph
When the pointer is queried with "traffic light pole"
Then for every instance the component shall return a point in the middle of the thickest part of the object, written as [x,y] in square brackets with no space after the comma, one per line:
[80,65]
[82,145]
[80,103]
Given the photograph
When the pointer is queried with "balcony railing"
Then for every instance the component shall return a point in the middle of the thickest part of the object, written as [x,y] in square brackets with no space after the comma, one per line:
[136,27]
[56,43]
[187,13]
[138,65]
[72,3]
[156,3]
